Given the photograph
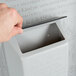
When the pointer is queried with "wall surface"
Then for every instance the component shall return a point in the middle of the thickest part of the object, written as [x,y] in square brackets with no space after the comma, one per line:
[3,64]
[36,11]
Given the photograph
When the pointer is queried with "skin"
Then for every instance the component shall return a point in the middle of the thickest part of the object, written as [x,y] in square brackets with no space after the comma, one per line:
[10,23]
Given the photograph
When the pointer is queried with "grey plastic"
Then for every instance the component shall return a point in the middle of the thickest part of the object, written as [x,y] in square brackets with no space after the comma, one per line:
[39,36]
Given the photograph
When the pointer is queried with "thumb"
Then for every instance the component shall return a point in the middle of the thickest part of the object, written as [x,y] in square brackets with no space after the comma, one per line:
[15,31]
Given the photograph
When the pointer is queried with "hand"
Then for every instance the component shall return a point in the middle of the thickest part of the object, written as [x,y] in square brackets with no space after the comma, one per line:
[10,22]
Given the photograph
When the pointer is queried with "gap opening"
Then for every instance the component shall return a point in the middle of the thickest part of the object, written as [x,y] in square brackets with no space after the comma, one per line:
[39,37]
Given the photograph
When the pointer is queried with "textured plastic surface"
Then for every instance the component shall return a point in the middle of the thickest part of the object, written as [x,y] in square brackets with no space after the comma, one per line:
[35,11]
[39,36]
[3,64]
[26,57]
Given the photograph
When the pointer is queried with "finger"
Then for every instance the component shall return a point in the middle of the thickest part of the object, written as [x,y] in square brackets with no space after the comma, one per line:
[19,24]
[17,19]
[15,31]
[3,5]
[20,21]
